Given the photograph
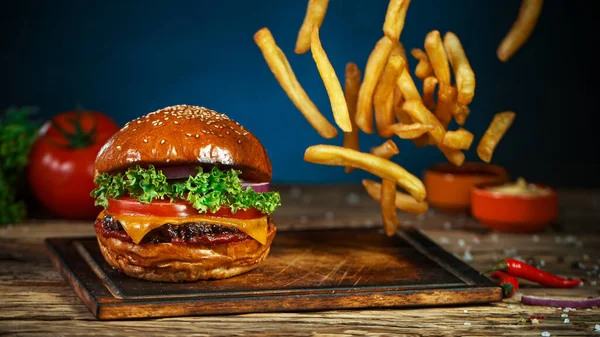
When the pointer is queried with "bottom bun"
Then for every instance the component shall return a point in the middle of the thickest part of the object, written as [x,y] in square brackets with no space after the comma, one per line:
[167,262]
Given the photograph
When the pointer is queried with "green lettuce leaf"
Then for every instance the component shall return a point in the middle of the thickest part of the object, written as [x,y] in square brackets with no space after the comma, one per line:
[206,191]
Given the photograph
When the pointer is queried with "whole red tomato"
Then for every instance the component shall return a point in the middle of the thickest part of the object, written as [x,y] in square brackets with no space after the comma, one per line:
[61,167]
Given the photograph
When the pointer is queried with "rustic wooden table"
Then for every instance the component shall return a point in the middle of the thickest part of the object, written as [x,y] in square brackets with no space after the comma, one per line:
[36,301]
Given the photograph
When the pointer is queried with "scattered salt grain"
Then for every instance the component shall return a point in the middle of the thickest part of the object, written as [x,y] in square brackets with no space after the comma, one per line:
[476,240]
[466,311]
[467,323]
[295,193]
[542,263]
[461,243]
[581,284]
[588,309]
[510,306]
[566,321]
[535,238]
[570,239]
[353,199]
[444,240]
[467,257]
[545,334]
[447,225]
[329,216]
[564,315]
[494,237]
[535,321]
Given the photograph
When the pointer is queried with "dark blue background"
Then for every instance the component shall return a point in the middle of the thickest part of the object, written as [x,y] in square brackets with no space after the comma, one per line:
[127,58]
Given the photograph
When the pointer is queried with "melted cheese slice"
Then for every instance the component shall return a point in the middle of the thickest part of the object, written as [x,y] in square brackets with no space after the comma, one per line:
[138,226]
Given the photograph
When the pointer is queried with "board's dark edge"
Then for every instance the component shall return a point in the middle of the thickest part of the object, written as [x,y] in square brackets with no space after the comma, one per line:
[309,302]
[457,266]
[67,273]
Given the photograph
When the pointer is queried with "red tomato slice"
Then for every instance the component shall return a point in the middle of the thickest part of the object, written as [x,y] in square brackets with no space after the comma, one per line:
[177,209]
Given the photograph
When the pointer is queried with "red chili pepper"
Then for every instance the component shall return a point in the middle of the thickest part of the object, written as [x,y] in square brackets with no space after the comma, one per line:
[509,283]
[521,269]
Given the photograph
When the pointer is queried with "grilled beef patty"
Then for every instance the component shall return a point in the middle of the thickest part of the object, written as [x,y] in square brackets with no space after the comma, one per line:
[190,233]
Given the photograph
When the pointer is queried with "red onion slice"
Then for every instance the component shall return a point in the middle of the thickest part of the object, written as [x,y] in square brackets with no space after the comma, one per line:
[178,172]
[564,303]
[258,187]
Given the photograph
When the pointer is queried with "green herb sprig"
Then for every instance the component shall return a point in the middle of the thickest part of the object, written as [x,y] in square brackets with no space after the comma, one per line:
[17,134]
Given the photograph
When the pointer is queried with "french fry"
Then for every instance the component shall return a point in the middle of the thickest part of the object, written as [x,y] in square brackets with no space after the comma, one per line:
[407,86]
[279,65]
[429,85]
[411,131]
[498,127]
[404,202]
[383,168]
[388,190]
[398,49]
[351,86]
[383,97]
[388,207]
[331,82]
[419,112]
[460,139]
[463,73]
[375,64]
[409,91]
[315,14]
[394,18]
[460,113]
[437,56]
[423,68]
[445,103]
[398,100]
[386,150]
[521,29]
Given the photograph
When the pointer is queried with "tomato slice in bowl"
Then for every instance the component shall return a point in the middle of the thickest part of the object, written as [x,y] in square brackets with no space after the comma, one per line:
[176,209]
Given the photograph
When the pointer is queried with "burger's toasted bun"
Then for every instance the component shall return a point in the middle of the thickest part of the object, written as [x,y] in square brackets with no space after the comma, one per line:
[166,262]
[185,135]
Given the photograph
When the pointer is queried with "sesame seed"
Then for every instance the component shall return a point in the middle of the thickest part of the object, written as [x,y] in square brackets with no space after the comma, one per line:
[188,134]
[118,147]
[239,141]
[162,141]
[175,122]
[197,135]
[145,140]
[166,118]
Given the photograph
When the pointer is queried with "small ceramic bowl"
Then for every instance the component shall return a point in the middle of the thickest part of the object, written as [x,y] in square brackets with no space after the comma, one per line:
[449,187]
[514,213]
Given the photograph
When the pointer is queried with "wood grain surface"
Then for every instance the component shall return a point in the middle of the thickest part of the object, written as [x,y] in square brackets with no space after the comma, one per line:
[36,301]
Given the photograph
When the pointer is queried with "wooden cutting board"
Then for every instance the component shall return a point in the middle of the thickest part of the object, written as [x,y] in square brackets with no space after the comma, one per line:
[305,271]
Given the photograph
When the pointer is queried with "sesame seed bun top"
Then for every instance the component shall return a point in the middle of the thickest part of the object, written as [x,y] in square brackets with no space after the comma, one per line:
[185,135]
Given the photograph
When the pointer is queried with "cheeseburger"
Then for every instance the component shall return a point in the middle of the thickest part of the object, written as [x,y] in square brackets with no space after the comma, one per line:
[186,197]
